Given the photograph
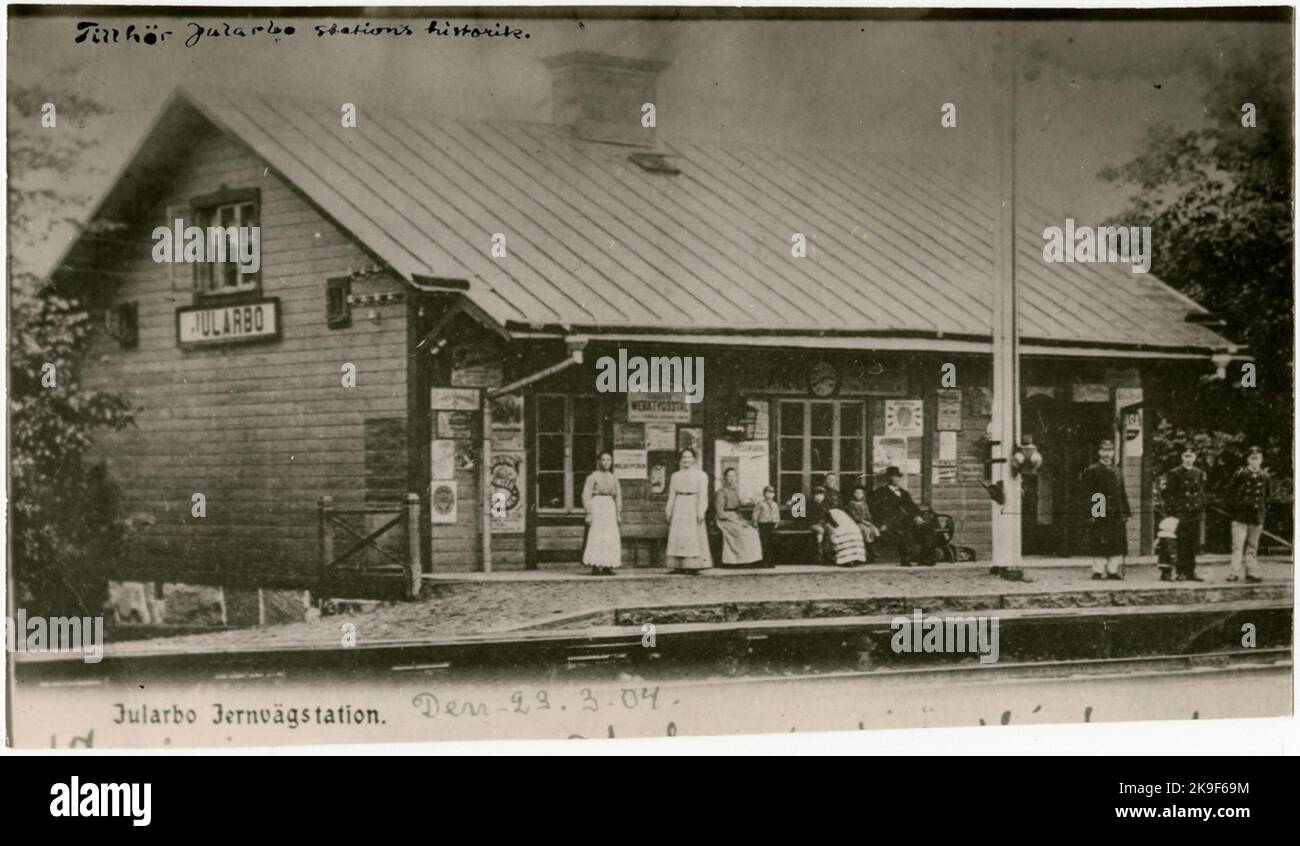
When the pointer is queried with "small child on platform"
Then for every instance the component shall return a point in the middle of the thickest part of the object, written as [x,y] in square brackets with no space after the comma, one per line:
[767,516]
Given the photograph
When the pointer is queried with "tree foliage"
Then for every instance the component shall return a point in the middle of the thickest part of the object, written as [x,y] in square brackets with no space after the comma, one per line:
[64,527]
[1219,202]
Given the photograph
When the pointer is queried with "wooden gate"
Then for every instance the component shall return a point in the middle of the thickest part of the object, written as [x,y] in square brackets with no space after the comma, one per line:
[348,567]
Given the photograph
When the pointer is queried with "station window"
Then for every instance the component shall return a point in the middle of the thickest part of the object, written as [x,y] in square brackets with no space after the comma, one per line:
[568,442]
[225,209]
[816,437]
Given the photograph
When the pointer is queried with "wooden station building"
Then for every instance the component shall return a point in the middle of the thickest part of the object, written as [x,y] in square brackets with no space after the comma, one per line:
[420,343]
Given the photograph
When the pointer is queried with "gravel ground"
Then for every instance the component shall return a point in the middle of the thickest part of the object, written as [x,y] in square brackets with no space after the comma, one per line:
[475,607]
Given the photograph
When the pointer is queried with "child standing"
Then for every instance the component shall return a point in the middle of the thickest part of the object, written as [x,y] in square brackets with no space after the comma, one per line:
[1167,548]
[819,521]
[1183,493]
[767,516]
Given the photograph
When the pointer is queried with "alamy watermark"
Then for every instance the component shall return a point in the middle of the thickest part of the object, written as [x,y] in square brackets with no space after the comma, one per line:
[1099,245]
[976,635]
[75,798]
[179,244]
[657,374]
[56,634]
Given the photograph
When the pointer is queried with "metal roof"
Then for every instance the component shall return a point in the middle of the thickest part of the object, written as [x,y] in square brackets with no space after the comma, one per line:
[597,242]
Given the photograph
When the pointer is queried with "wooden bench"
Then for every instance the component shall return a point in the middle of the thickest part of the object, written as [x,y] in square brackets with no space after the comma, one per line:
[651,537]
[795,544]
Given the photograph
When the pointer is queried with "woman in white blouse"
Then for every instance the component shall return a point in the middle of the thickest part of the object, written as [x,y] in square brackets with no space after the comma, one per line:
[688,500]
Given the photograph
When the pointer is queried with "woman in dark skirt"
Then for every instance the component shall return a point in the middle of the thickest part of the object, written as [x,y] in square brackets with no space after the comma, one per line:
[1107,508]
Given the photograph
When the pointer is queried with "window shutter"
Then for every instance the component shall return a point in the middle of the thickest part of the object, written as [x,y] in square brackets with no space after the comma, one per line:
[128,325]
[338,307]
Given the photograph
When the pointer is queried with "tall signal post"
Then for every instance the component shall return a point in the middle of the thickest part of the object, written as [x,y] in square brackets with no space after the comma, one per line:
[1006,312]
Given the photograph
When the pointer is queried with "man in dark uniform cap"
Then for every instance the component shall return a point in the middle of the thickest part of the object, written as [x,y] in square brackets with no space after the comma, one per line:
[1107,509]
[1247,502]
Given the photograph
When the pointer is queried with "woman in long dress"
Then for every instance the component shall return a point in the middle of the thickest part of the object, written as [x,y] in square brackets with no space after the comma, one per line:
[740,544]
[603,501]
[688,500]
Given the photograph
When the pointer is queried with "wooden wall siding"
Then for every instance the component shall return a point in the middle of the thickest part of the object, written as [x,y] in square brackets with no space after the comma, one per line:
[456,547]
[262,429]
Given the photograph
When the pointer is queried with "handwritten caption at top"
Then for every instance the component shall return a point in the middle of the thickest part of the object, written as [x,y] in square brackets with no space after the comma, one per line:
[92,32]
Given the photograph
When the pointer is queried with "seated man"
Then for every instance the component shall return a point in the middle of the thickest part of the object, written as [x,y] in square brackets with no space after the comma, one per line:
[900,521]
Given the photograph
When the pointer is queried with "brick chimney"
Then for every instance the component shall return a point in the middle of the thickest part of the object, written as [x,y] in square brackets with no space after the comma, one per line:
[602,96]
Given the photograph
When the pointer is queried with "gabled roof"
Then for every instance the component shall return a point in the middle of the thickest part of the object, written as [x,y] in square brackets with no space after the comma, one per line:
[597,242]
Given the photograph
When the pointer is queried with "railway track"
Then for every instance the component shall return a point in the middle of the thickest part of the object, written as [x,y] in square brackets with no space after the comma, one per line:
[1125,637]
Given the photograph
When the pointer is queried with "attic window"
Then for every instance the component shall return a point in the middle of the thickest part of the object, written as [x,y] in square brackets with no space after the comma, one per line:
[654,163]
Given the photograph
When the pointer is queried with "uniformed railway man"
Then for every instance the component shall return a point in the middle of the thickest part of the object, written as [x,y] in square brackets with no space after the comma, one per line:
[1108,511]
[1247,502]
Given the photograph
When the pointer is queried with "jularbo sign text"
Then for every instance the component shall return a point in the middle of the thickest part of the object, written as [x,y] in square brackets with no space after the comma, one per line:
[230,324]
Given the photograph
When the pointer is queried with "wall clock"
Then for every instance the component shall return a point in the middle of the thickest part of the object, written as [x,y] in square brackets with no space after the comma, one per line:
[823,379]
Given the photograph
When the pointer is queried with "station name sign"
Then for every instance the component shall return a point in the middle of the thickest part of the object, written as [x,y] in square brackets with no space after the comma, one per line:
[231,324]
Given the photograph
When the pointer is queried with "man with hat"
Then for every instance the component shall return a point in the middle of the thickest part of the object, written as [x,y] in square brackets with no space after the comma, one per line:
[1246,498]
[1108,511]
[1182,490]
[900,522]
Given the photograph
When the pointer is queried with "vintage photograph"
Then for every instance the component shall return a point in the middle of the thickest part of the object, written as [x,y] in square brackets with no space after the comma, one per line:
[409,374]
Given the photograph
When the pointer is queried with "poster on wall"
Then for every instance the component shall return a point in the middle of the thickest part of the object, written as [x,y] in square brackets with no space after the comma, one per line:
[903,418]
[453,399]
[981,401]
[507,503]
[442,460]
[887,451]
[630,463]
[947,446]
[629,436]
[455,424]
[1130,421]
[659,436]
[442,502]
[750,462]
[658,408]
[507,411]
[466,457]
[944,473]
[507,423]
[658,476]
[948,413]
[507,440]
